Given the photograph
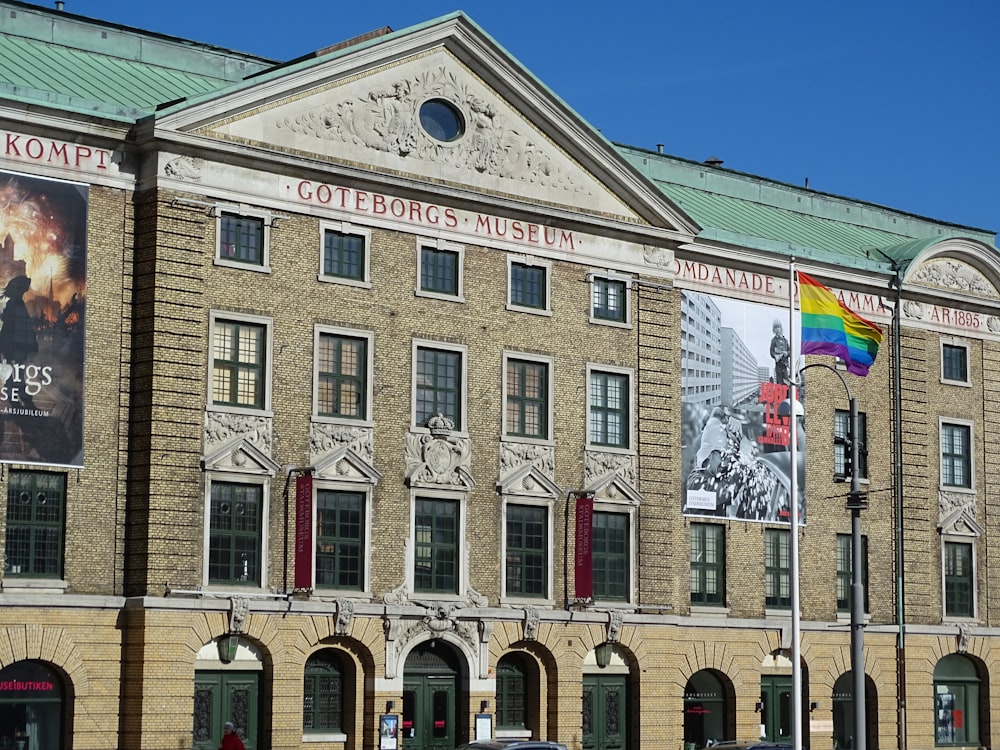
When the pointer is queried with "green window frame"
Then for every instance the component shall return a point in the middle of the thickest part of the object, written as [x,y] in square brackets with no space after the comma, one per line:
[845,572]
[238,358]
[435,549]
[956,457]
[708,564]
[528,286]
[344,255]
[342,374]
[527,563]
[241,239]
[439,385]
[955,363]
[841,424]
[959,583]
[323,693]
[777,569]
[527,399]
[235,533]
[956,702]
[610,556]
[608,300]
[439,271]
[340,539]
[36,522]
[609,405]
[512,686]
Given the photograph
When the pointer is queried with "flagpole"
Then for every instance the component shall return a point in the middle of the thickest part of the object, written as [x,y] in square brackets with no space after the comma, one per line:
[794,503]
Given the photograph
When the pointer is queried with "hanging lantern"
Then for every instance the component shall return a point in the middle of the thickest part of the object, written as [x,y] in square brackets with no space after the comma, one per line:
[228,645]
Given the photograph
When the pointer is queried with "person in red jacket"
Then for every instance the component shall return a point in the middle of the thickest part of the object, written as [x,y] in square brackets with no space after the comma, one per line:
[230,740]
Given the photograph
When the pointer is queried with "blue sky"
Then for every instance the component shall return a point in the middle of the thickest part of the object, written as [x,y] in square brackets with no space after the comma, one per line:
[894,102]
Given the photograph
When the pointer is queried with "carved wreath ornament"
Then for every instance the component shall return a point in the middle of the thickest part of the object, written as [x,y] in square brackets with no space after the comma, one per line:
[388,120]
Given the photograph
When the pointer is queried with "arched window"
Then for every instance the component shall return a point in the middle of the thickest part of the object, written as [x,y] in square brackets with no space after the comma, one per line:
[705,710]
[31,706]
[323,694]
[512,685]
[956,702]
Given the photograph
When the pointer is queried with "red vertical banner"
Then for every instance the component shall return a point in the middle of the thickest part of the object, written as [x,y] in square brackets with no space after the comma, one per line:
[584,574]
[303,532]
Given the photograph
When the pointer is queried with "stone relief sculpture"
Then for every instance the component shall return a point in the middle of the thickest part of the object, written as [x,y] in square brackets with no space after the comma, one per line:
[326,438]
[438,458]
[949,502]
[222,428]
[388,120]
[616,619]
[914,309]
[239,610]
[515,455]
[954,276]
[532,618]
[184,168]
[597,465]
[658,257]
[345,613]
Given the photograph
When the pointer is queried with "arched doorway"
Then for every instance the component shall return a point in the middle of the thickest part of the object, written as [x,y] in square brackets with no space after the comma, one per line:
[843,713]
[707,709]
[958,697]
[430,698]
[518,713]
[31,706]
[606,700]
[227,687]
[776,698]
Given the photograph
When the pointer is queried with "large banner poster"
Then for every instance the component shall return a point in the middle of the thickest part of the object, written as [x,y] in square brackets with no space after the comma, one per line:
[43,292]
[736,452]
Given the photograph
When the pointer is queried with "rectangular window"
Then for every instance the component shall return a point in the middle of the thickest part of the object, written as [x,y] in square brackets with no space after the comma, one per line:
[340,525]
[36,517]
[956,456]
[238,353]
[438,385]
[955,363]
[708,564]
[610,556]
[958,583]
[439,271]
[527,550]
[845,572]
[235,533]
[609,405]
[528,286]
[841,423]
[527,399]
[436,559]
[777,569]
[241,239]
[344,255]
[608,300]
[342,376]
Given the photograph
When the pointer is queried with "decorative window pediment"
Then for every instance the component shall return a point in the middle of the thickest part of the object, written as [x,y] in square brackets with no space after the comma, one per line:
[243,457]
[528,481]
[345,465]
[613,488]
[960,523]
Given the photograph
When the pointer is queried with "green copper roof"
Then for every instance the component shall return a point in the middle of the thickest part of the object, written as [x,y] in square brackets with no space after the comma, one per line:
[736,208]
[76,64]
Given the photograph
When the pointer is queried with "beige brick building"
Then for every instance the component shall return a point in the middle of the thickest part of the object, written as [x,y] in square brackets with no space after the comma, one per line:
[375,400]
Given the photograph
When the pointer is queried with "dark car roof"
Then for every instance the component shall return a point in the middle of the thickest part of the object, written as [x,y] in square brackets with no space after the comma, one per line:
[751,745]
[513,744]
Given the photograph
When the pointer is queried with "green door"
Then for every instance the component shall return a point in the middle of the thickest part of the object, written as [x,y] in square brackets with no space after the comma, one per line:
[604,712]
[776,707]
[429,712]
[225,696]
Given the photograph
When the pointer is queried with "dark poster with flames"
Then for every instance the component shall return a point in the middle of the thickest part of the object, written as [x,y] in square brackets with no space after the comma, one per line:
[43,296]
[736,424]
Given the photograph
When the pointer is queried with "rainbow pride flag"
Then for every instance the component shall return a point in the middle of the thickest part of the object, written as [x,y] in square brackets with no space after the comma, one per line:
[830,327]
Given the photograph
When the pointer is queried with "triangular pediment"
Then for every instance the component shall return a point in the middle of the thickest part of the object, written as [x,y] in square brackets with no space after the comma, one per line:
[960,523]
[528,481]
[240,456]
[611,487]
[346,466]
[366,107]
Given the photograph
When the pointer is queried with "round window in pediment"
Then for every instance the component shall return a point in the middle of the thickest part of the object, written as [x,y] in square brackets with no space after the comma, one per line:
[441,120]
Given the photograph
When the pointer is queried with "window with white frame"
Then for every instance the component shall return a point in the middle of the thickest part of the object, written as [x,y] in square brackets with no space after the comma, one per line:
[345,254]
[343,374]
[609,407]
[959,579]
[527,388]
[609,300]
[708,564]
[323,694]
[235,524]
[439,270]
[611,546]
[341,524]
[439,383]
[845,571]
[528,287]
[36,517]
[243,239]
[956,455]
[240,362]
[526,550]
[777,568]
[955,362]
[437,535]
